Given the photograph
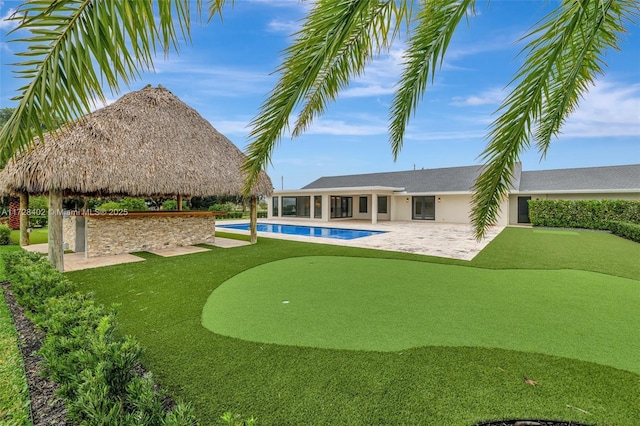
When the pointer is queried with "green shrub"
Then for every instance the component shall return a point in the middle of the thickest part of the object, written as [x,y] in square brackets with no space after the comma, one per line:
[109,206]
[218,208]
[262,215]
[173,205]
[39,211]
[5,235]
[96,370]
[134,204]
[587,214]
[628,230]
[34,280]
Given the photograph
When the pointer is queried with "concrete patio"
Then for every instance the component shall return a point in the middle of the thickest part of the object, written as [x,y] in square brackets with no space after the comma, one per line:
[78,261]
[450,240]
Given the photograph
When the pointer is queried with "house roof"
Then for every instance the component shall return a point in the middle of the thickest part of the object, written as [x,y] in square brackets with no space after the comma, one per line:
[462,179]
[451,179]
[607,178]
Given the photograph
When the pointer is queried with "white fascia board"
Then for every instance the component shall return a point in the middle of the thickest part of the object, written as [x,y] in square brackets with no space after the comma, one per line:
[437,193]
[580,191]
[355,189]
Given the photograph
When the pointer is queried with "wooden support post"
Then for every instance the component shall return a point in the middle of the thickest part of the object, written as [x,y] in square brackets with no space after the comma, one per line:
[179,199]
[56,251]
[253,223]
[24,219]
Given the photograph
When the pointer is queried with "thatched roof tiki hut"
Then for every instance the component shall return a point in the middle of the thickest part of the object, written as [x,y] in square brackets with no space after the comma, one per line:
[146,144]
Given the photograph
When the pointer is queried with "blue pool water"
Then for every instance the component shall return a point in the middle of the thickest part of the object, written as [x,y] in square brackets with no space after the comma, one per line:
[306,231]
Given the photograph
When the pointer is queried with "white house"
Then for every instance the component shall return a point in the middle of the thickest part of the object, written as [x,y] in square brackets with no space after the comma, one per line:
[444,195]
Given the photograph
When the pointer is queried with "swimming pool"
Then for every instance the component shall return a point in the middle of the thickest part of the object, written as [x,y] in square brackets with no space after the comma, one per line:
[306,231]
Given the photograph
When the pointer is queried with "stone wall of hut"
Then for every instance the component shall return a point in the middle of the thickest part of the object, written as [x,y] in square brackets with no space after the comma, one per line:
[122,234]
[69,232]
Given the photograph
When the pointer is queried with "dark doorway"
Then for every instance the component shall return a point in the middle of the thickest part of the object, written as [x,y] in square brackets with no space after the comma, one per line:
[523,209]
[424,208]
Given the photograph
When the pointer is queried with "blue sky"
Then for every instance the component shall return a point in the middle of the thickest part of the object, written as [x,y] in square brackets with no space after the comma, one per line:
[227,72]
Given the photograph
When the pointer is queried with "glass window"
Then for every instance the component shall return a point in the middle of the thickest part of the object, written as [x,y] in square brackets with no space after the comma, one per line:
[274,206]
[296,206]
[317,207]
[289,206]
[341,207]
[304,206]
[363,204]
[382,205]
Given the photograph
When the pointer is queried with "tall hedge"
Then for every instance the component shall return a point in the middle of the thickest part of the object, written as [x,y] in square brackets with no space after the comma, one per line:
[586,214]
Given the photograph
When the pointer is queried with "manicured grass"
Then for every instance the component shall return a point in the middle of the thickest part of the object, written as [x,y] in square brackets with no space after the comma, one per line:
[161,304]
[14,393]
[37,236]
[533,248]
[397,304]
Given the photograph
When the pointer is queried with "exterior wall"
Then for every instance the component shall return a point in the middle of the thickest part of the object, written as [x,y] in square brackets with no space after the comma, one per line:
[401,208]
[121,234]
[453,208]
[513,200]
[356,207]
[69,232]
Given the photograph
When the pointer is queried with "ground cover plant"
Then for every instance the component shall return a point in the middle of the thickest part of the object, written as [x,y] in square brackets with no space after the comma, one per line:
[14,398]
[14,395]
[97,373]
[161,302]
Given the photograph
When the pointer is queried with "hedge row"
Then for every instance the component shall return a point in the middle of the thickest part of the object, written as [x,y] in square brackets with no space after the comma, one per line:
[586,214]
[628,230]
[95,369]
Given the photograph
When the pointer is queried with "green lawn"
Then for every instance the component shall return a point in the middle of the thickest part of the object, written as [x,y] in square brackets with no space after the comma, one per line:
[37,236]
[14,394]
[395,305]
[445,382]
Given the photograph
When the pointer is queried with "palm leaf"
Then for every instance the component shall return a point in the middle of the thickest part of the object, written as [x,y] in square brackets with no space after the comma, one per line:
[75,47]
[562,60]
[436,24]
[336,41]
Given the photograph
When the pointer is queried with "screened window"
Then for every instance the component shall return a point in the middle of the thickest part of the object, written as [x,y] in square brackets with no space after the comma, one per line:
[383,204]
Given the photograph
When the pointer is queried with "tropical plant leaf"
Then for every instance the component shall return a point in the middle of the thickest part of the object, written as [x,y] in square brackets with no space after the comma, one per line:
[435,25]
[336,41]
[76,47]
[561,62]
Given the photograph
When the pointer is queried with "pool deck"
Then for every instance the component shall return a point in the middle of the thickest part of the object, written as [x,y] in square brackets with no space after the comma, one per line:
[450,240]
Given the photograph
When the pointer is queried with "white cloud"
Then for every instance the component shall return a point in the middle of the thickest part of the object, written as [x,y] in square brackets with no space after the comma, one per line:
[342,128]
[231,127]
[280,26]
[217,80]
[488,97]
[610,109]
[468,135]
[5,23]
[380,76]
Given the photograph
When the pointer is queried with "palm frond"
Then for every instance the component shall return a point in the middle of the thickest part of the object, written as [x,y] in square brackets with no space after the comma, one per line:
[74,48]
[561,62]
[336,41]
[436,24]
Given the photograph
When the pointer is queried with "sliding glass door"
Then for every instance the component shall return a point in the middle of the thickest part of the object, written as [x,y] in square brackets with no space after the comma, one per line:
[424,208]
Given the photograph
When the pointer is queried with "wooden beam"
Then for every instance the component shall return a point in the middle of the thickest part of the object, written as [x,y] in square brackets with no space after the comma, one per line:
[179,199]
[24,219]
[253,222]
[56,251]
